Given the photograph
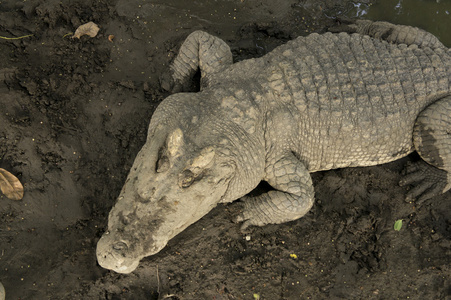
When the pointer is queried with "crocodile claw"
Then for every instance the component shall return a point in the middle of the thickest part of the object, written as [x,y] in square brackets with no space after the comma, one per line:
[429,181]
[249,215]
[343,25]
[168,84]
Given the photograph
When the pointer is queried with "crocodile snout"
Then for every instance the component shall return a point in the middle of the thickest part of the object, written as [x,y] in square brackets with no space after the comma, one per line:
[115,256]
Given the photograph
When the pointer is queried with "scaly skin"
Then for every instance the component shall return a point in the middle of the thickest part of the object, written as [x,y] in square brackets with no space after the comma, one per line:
[317,103]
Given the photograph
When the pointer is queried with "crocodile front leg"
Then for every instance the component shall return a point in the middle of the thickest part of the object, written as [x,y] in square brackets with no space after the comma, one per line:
[292,198]
[201,51]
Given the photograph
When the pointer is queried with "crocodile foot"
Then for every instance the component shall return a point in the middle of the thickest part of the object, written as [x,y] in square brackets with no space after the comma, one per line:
[168,83]
[253,213]
[429,181]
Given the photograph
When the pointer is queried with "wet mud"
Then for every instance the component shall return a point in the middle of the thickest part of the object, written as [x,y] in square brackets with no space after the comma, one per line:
[74,114]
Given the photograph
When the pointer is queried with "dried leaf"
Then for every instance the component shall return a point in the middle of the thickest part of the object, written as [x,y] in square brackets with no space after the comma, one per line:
[110,37]
[10,185]
[89,28]
[2,292]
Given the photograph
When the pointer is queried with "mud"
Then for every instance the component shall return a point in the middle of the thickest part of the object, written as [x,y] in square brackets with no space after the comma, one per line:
[74,114]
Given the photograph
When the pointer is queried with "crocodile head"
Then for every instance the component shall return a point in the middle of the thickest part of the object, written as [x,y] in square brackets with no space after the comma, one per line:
[172,184]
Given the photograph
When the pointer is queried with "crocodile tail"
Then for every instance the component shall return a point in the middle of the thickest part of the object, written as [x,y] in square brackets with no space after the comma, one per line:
[399,34]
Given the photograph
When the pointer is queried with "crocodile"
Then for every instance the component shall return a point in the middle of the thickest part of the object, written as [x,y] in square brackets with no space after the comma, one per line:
[364,97]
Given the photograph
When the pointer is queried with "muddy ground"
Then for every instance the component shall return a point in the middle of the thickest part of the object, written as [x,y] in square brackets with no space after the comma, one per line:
[73,115]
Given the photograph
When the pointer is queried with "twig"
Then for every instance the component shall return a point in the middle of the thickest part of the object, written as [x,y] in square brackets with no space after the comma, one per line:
[158,288]
[158,282]
[15,38]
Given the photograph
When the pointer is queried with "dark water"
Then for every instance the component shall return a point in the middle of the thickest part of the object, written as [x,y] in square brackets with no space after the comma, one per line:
[431,15]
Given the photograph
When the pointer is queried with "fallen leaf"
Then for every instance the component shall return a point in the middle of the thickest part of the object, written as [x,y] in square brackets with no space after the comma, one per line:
[89,28]
[10,185]
[2,292]
[398,225]
[110,37]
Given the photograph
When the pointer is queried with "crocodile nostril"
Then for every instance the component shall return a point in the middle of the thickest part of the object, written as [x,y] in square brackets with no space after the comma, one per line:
[120,246]
[124,219]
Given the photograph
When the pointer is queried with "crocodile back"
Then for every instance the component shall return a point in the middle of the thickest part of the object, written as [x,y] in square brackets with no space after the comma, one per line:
[356,98]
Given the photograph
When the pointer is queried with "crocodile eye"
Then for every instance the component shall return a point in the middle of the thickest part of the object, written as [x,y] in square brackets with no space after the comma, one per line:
[186,178]
[162,164]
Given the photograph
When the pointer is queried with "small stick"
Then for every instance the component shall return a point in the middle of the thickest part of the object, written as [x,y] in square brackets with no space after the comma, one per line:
[15,38]
[158,281]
